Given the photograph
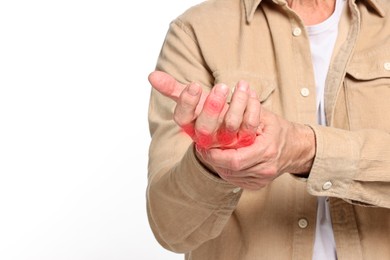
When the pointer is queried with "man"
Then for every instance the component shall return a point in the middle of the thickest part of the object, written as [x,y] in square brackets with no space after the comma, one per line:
[303,175]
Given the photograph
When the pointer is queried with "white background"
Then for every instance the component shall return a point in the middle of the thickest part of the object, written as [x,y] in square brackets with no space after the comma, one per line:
[73,127]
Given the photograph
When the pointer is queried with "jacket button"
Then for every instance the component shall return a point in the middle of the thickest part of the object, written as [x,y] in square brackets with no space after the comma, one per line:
[303,223]
[236,190]
[386,65]
[297,31]
[305,92]
[327,185]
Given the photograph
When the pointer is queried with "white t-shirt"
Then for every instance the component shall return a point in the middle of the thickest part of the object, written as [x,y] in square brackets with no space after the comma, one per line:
[322,40]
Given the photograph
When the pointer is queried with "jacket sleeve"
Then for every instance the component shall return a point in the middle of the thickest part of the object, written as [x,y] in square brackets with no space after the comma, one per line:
[186,204]
[352,165]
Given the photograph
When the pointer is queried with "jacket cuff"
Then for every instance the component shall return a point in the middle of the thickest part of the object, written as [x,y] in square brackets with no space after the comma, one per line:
[202,185]
[335,164]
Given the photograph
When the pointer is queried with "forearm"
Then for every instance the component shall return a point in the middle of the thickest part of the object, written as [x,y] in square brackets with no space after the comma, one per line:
[187,205]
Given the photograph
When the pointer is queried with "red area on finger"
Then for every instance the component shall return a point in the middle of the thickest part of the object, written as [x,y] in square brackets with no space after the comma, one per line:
[204,141]
[225,137]
[214,107]
[189,129]
[246,139]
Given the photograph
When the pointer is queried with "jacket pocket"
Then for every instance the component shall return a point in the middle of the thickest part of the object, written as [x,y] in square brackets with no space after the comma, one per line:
[263,85]
[367,85]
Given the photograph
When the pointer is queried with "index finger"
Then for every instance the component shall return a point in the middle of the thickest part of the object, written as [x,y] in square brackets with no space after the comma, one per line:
[166,84]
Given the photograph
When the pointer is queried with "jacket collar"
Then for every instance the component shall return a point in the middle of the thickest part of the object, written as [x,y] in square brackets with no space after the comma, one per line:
[251,6]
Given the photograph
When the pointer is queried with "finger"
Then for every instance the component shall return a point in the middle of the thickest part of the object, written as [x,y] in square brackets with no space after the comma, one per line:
[227,134]
[208,120]
[251,122]
[237,107]
[260,129]
[228,159]
[166,84]
[239,159]
[226,138]
[185,114]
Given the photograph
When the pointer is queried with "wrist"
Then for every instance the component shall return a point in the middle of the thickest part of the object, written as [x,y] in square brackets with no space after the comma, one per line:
[304,141]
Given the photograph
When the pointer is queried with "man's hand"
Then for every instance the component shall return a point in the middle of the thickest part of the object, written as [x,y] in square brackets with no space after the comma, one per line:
[228,139]
[281,147]
[206,117]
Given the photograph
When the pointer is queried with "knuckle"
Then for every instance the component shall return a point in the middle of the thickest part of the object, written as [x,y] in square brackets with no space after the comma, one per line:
[187,102]
[203,129]
[178,118]
[235,164]
[183,115]
[271,153]
[271,171]
[252,121]
[212,158]
[251,124]
[232,122]
[213,106]
[203,137]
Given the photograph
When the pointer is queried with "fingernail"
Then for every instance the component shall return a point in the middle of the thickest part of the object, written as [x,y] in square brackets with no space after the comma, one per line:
[221,89]
[243,86]
[193,89]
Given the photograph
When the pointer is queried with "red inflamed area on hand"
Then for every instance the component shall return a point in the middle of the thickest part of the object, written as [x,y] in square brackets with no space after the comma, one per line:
[204,141]
[213,106]
[226,138]
[189,130]
[246,139]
